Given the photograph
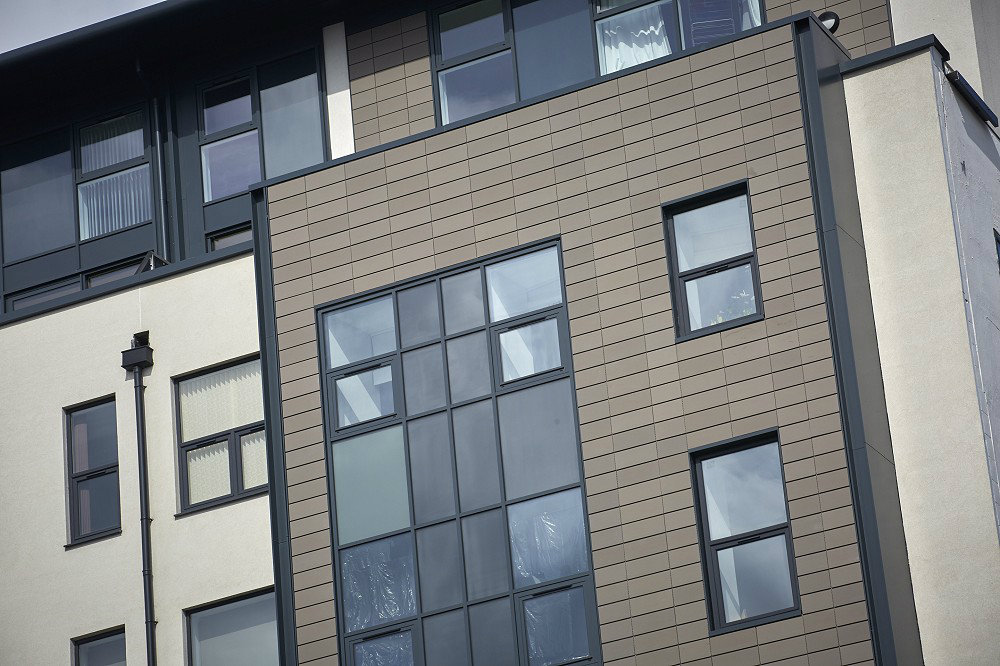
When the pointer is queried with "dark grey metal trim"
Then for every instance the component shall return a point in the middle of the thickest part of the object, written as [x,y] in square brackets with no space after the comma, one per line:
[90,638]
[897,51]
[75,538]
[980,106]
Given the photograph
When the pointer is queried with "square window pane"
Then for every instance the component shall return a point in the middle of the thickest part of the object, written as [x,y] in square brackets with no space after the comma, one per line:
[469,28]
[637,36]
[463,301]
[446,640]
[477,87]
[556,624]
[440,557]
[378,582]
[361,331]
[97,504]
[484,540]
[111,142]
[712,233]
[115,202]
[530,349]
[93,437]
[423,379]
[418,315]
[390,650]
[107,651]
[208,472]
[720,297]
[547,538]
[744,491]
[253,451]
[524,284]
[476,455]
[469,367]
[755,578]
[230,166]
[244,632]
[221,400]
[430,468]
[364,396]
[552,49]
[227,106]
[493,633]
[710,20]
[369,473]
[290,114]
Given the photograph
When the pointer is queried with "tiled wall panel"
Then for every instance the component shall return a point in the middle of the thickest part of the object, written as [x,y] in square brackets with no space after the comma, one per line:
[864,24]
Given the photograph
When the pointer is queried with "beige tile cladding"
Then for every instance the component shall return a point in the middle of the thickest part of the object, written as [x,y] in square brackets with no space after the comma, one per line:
[864,24]
[594,167]
[390,72]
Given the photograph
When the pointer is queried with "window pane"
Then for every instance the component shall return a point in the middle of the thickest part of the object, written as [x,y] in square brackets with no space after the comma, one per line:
[108,651]
[244,632]
[230,166]
[744,491]
[530,349]
[418,315]
[493,633]
[471,27]
[378,582]
[390,650]
[93,437]
[468,367]
[524,284]
[476,455]
[440,559]
[463,301]
[208,472]
[97,504]
[553,47]
[227,106]
[477,87]
[221,400]
[423,379]
[637,36]
[113,275]
[547,538]
[446,640]
[253,450]
[44,296]
[712,233]
[115,202]
[369,473]
[232,238]
[361,331]
[712,20]
[484,540]
[430,468]
[755,578]
[290,114]
[364,396]
[720,297]
[538,439]
[556,624]
[111,142]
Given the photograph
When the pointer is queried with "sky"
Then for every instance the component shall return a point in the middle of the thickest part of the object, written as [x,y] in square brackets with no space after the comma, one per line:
[25,22]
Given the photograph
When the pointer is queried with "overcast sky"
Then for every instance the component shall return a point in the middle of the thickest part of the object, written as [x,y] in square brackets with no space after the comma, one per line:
[28,21]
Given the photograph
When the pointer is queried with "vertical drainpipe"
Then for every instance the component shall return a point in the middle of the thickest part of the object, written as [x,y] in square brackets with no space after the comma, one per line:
[135,359]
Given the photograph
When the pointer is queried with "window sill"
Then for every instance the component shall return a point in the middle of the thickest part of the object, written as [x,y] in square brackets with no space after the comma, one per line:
[93,538]
[756,622]
[221,501]
[718,328]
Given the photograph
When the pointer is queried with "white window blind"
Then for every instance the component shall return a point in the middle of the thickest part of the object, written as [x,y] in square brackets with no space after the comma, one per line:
[221,400]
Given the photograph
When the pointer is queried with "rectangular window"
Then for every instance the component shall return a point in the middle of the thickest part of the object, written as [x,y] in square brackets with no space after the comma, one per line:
[745,534]
[244,631]
[223,452]
[713,262]
[104,650]
[93,471]
[445,554]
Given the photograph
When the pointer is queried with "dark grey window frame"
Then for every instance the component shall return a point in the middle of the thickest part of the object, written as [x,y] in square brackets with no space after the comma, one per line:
[188,612]
[83,640]
[74,479]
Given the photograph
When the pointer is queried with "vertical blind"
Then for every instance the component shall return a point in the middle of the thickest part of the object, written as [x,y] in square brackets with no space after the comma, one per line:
[111,142]
[221,400]
[208,472]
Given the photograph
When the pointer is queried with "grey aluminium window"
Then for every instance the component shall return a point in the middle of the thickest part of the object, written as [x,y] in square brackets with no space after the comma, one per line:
[106,649]
[94,503]
[241,631]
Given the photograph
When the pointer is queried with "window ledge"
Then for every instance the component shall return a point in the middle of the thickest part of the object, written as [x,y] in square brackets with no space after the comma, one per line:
[93,538]
[221,501]
[756,622]
[718,328]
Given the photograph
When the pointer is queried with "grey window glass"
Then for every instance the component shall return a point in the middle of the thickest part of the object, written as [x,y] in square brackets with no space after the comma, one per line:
[232,238]
[547,538]
[446,640]
[463,301]
[290,114]
[230,165]
[556,624]
[524,284]
[208,472]
[477,87]
[493,633]
[711,21]
[44,296]
[115,202]
[720,297]
[364,396]
[390,650]
[378,582]
[440,557]
[93,437]
[469,28]
[361,331]
[111,142]
[369,473]
[227,106]
[418,315]
[430,468]
[552,49]
[538,439]
[476,455]
[243,632]
[98,504]
[469,367]
[113,275]
[637,36]
[107,651]
[712,233]
[486,567]
[744,491]
[530,349]
[423,379]
[755,578]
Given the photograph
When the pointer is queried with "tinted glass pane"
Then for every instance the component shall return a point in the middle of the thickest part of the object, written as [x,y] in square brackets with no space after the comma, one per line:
[547,538]
[97,504]
[712,233]
[111,142]
[469,367]
[39,297]
[484,540]
[440,559]
[109,651]
[112,275]
[430,468]
[446,639]
[230,166]
[227,106]
[361,331]
[253,451]
[556,624]
[538,438]
[93,437]
[290,114]
[423,379]
[637,36]
[530,349]
[711,20]
[553,46]
[378,582]
[390,650]
[369,473]
[115,202]
[477,87]
[208,472]
[493,633]
[418,314]
[231,239]
[744,491]
[463,301]
[755,578]
[471,27]
[720,297]
[476,455]
[524,284]
[243,632]
[364,396]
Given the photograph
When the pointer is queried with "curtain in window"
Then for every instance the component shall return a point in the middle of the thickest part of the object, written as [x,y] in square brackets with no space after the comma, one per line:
[115,202]
[632,38]
[221,400]
[111,142]
[751,13]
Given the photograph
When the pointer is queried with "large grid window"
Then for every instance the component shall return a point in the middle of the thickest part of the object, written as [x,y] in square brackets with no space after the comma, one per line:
[95,506]
[460,522]
[108,649]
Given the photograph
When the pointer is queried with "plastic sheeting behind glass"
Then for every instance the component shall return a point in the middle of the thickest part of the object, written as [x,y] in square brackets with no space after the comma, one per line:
[547,538]
[390,650]
[221,400]
[378,583]
[556,625]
